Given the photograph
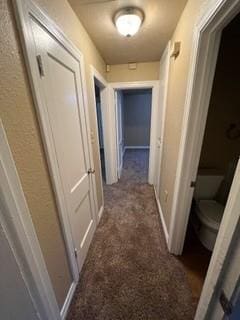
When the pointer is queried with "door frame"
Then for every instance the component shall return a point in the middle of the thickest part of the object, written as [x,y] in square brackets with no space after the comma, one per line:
[103,85]
[19,230]
[206,41]
[119,168]
[162,116]
[154,85]
[24,9]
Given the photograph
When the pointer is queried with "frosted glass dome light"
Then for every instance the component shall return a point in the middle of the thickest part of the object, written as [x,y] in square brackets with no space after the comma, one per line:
[128,21]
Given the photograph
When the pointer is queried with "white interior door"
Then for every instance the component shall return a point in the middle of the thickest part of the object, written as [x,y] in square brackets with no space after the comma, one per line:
[163,84]
[61,83]
[119,122]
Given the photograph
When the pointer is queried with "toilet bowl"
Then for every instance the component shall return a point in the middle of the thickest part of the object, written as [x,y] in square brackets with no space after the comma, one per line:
[209,214]
[210,198]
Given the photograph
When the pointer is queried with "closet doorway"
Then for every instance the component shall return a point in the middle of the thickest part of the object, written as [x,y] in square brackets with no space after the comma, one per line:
[133,119]
[135,127]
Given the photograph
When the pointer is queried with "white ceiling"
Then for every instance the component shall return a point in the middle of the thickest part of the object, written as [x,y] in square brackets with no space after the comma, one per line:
[161,17]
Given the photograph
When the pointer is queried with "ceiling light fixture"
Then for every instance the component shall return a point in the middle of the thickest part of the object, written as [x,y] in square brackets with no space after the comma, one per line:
[128,21]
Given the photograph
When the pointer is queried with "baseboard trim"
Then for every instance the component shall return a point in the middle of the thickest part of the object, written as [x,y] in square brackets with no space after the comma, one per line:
[137,147]
[68,300]
[161,217]
[100,213]
[120,170]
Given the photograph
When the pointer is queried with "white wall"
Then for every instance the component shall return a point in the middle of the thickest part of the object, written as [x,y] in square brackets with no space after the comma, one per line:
[137,117]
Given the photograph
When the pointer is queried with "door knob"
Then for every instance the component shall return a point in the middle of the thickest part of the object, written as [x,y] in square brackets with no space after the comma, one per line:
[91,171]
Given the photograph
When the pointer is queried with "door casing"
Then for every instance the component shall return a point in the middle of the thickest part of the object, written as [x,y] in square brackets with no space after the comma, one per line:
[154,85]
[120,140]
[162,114]
[97,77]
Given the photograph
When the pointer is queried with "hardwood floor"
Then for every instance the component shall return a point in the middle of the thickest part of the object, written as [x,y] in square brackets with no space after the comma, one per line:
[195,259]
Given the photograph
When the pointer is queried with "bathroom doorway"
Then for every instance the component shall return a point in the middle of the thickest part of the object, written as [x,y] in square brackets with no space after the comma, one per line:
[218,161]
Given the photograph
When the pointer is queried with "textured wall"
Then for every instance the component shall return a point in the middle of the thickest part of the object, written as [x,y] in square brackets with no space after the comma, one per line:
[145,71]
[19,119]
[137,117]
[178,77]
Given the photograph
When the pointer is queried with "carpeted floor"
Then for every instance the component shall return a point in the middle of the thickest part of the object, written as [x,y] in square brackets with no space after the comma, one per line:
[128,273]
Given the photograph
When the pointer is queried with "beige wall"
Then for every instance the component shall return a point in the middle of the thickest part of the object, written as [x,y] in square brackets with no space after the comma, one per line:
[218,150]
[19,119]
[179,70]
[145,71]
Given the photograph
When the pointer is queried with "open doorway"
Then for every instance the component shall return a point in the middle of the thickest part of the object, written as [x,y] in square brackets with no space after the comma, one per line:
[100,129]
[133,120]
[218,161]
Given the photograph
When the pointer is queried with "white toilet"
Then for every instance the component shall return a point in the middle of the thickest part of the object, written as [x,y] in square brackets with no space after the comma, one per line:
[209,213]
[211,194]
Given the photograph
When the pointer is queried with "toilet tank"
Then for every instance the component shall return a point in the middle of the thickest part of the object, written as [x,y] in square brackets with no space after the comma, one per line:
[207,186]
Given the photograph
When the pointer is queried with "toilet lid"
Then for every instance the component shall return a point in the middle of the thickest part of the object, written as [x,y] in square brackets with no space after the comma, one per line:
[210,212]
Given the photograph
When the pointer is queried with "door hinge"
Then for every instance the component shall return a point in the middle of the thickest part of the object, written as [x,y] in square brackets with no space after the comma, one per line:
[91,171]
[40,65]
[225,303]
[193,184]
[75,253]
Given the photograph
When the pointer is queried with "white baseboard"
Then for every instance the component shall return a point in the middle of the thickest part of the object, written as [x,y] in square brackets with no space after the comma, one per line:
[72,288]
[162,217]
[137,147]
[68,300]
[120,170]
[100,213]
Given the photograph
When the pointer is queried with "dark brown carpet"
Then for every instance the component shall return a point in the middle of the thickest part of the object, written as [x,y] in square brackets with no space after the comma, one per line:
[128,273]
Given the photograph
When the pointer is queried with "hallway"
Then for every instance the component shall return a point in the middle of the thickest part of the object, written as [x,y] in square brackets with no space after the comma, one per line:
[128,273]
